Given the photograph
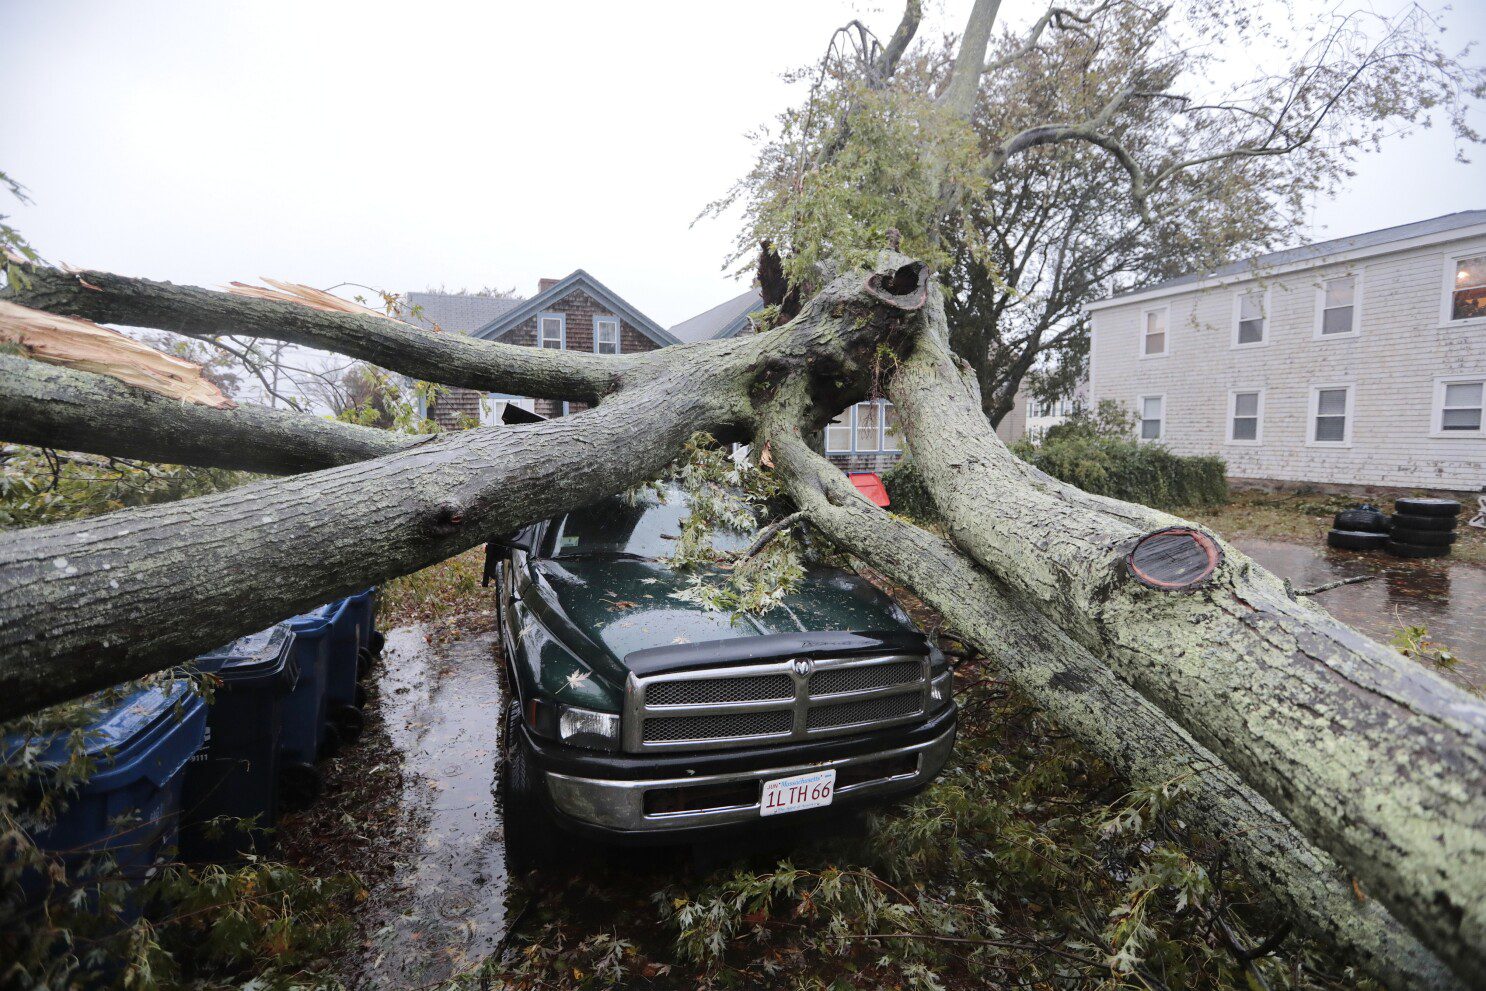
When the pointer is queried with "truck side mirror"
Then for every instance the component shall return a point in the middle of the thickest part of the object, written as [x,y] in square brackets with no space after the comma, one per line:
[512,541]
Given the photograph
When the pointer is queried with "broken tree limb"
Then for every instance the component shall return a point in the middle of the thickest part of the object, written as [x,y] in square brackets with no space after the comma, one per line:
[1110,718]
[1379,761]
[448,358]
[51,406]
[82,344]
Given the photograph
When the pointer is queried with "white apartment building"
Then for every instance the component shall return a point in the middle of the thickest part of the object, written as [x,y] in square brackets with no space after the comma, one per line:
[1358,361]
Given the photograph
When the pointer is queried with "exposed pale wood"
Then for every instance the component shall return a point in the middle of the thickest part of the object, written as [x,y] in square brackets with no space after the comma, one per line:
[84,345]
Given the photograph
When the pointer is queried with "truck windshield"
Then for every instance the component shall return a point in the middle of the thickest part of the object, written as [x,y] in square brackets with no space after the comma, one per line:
[615,527]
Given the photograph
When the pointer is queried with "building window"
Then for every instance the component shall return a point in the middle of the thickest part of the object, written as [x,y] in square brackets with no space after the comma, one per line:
[1331,414]
[1468,288]
[606,335]
[1244,413]
[1339,306]
[1458,406]
[892,440]
[1152,417]
[866,428]
[1249,328]
[551,331]
[1153,338]
[869,427]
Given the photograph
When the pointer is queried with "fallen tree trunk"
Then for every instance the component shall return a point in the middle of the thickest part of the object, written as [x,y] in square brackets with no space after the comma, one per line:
[1379,761]
[50,406]
[87,604]
[1111,719]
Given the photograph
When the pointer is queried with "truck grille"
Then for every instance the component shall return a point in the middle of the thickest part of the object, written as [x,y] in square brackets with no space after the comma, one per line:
[773,701]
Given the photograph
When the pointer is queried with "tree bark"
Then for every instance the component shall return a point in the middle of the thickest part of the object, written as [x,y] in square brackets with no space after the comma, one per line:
[1110,718]
[50,406]
[1379,761]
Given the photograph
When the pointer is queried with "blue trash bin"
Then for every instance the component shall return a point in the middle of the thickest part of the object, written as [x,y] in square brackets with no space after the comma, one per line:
[347,623]
[363,608]
[235,773]
[305,737]
[129,807]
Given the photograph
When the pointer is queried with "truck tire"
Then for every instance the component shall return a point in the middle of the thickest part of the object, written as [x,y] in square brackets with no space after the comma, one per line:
[1427,507]
[1426,538]
[1409,521]
[1362,519]
[1398,549]
[1356,540]
[531,835]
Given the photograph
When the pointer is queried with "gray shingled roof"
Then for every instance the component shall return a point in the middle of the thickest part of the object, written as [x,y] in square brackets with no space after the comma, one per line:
[1259,264]
[455,314]
[723,320]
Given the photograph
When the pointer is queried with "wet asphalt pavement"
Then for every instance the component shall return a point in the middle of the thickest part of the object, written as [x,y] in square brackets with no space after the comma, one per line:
[444,909]
[1446,596]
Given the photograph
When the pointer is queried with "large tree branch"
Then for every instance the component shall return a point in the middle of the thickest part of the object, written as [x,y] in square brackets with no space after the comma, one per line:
[50,406]
[448,358]
[963,85]
[90,603]
[1377,760]
[1087,700]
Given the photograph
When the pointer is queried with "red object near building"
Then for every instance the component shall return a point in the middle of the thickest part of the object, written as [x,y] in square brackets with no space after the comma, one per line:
[869,484]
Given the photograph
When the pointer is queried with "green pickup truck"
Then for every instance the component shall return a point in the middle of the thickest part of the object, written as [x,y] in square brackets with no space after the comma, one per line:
[641,716]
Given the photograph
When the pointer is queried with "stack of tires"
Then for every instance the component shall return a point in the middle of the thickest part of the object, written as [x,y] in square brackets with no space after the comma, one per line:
[1361,528]
[1423,527]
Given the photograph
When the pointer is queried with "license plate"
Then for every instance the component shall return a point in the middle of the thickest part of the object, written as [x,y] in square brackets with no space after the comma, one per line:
[803,791]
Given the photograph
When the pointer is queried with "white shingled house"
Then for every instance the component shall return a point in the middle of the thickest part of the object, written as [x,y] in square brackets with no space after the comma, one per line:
[1359,361]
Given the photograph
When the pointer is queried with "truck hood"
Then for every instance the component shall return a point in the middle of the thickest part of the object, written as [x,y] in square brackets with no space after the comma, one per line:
[622,605]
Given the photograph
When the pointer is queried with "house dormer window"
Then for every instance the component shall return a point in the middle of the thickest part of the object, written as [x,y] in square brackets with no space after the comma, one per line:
[551,331]
[1249,318]
[606,335]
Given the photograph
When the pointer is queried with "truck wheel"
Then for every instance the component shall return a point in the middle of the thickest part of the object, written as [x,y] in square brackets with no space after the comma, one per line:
[531,839]
[1427,507]
[1409,521]
[1429,538]
[1354,540]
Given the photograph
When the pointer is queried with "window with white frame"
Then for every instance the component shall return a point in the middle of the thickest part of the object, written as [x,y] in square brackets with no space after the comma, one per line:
[1153,336]
[1468,288]
[892,440]
[1339,306]
[866,428]
[1331,414]
[1152,417]
[551,331]
[1459,405]
[1243,417]
[1250,316]
[606,335]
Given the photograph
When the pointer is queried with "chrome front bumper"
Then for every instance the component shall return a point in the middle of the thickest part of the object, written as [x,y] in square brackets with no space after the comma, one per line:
[620,805]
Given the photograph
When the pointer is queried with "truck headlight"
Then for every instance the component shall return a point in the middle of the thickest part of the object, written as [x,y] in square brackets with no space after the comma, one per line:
[587,728]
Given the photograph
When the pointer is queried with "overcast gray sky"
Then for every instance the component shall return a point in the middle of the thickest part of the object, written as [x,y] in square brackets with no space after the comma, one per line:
[407,145]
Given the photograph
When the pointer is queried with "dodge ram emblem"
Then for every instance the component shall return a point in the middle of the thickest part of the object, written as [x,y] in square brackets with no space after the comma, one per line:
[803,666]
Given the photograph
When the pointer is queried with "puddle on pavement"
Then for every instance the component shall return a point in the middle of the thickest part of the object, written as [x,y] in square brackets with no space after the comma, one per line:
[1448,597]
[442,911]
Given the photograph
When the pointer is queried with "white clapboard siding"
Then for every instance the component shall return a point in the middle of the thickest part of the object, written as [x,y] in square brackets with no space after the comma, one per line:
[1403,345]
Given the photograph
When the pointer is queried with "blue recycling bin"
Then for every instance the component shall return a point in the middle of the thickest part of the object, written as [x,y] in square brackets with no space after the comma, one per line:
[235,774]
[129,807]
[305,736]
[347,619]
